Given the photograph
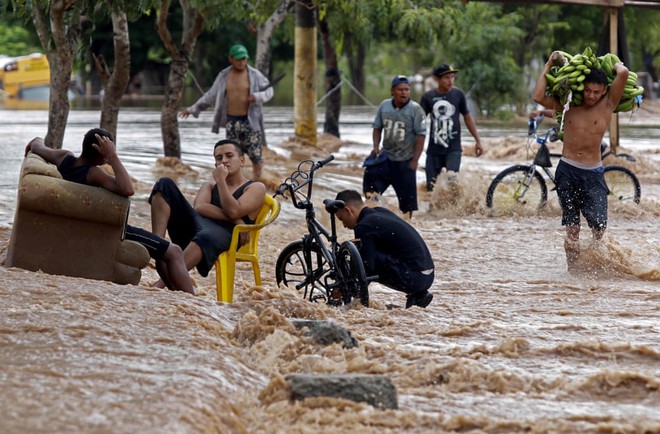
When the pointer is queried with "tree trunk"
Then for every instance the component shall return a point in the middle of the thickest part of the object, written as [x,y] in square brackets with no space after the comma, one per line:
[115,85]
[64,32]
[356,55]
[265,34]
[193,24]
[332,80]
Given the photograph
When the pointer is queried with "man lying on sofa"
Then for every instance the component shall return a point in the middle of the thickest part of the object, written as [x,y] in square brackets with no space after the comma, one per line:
[98,148]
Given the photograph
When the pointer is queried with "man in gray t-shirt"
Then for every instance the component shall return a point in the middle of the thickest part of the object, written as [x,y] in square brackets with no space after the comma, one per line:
[401,124]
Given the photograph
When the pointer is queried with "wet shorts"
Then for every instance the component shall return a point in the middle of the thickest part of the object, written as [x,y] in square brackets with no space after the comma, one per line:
[238,128]
[581,190]
[156,246]
[379,177]
[185,225]
[435,163]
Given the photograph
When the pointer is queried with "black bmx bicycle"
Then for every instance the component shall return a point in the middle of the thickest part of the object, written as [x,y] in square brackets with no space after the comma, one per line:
[522,187]
[318,265]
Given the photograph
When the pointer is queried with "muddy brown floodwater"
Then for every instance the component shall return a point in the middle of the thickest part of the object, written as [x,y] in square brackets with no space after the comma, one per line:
[511,342]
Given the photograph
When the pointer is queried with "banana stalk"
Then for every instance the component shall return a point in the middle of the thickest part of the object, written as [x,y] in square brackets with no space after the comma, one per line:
[569,75]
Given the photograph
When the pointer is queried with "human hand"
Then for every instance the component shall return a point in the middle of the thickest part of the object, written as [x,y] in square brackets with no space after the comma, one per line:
[252,99]
[478,149]
[619,66]
[184,114]
[555,58]
[220,173]
[243,238]
[28,148]
[105,146]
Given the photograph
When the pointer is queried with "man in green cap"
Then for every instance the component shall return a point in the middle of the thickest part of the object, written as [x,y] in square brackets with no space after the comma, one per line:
[238,94]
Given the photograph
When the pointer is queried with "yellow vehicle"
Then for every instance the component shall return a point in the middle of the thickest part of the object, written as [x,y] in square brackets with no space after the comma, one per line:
[25,77]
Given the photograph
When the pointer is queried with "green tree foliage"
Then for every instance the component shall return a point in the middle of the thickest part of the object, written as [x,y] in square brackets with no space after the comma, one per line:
[643,34]
[584,27]
[16,40]
[480,45]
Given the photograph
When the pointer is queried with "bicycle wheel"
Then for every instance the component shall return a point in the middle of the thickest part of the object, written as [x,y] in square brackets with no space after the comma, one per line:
[513,191]
[294,271]
[623,184]
[355,284]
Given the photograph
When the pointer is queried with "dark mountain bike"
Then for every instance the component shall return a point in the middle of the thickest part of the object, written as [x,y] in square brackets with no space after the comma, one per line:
[318,265]
[522,187]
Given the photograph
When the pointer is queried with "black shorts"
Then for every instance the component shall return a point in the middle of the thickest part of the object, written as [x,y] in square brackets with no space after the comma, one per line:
[399,175]
[156,246]
[185,225]
[582,190]
[435,164]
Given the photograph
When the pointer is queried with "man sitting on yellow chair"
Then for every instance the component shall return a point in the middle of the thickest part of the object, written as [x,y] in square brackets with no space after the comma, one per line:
[204,229]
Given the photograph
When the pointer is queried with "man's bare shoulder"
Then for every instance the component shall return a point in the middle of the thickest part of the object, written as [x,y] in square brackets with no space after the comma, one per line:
[256,187]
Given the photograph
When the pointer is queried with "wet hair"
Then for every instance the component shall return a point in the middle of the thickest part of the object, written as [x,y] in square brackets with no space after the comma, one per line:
[350,197]
[89,152]
[237,146]
[597,76]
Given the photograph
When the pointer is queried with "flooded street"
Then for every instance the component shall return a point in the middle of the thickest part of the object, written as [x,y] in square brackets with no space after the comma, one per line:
[511,342]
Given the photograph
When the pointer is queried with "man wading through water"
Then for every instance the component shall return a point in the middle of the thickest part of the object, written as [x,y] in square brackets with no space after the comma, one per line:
[579,176]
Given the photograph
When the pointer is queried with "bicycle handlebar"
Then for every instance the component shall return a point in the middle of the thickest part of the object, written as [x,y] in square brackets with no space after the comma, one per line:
[325,161]
[301,177]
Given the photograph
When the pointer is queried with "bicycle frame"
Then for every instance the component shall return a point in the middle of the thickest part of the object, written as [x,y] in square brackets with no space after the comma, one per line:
[625,184]
[316,233]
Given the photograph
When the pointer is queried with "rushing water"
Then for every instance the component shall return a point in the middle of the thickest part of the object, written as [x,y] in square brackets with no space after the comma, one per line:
[511,342]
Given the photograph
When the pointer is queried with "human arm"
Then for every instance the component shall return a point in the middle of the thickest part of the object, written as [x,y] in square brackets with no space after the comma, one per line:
[472,127]
[542,112]
[618,84]
[539,94]
[53,156]
[205,208]
[121,182]
[262,90]
[232,209]
[367,247]
[419,147]
[375,136]
[208,99]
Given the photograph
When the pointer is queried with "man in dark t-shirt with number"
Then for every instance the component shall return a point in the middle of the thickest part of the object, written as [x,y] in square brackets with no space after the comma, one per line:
[401,124]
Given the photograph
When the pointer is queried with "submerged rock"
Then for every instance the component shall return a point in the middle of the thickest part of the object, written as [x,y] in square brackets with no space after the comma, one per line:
[326,332]
[375,390]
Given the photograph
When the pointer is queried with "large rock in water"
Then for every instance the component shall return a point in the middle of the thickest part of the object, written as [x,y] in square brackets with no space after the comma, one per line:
[376,390]
[326,332]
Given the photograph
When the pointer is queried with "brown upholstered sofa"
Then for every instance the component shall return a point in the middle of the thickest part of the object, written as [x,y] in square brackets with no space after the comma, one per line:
[61,227]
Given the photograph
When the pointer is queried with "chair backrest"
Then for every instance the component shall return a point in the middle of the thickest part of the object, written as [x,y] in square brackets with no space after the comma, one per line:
[269,212]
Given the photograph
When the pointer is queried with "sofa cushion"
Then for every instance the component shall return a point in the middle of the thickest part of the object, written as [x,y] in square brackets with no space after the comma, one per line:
[38,166]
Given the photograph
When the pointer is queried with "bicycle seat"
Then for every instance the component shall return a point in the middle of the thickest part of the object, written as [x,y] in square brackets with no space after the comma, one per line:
[332,206]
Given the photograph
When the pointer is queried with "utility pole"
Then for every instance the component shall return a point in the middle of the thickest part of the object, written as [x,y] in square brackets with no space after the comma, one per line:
[304,80]
[614,44]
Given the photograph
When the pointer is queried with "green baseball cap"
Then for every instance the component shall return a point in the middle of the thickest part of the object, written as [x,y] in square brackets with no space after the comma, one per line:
[238,52]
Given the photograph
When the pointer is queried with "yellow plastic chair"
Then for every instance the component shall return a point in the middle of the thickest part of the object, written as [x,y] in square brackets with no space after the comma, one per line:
[225,265]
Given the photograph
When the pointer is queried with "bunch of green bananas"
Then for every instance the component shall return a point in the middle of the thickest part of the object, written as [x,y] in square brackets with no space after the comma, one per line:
[568,76]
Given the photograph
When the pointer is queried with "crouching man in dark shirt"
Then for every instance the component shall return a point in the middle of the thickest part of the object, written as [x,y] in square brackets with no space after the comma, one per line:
[390,248]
